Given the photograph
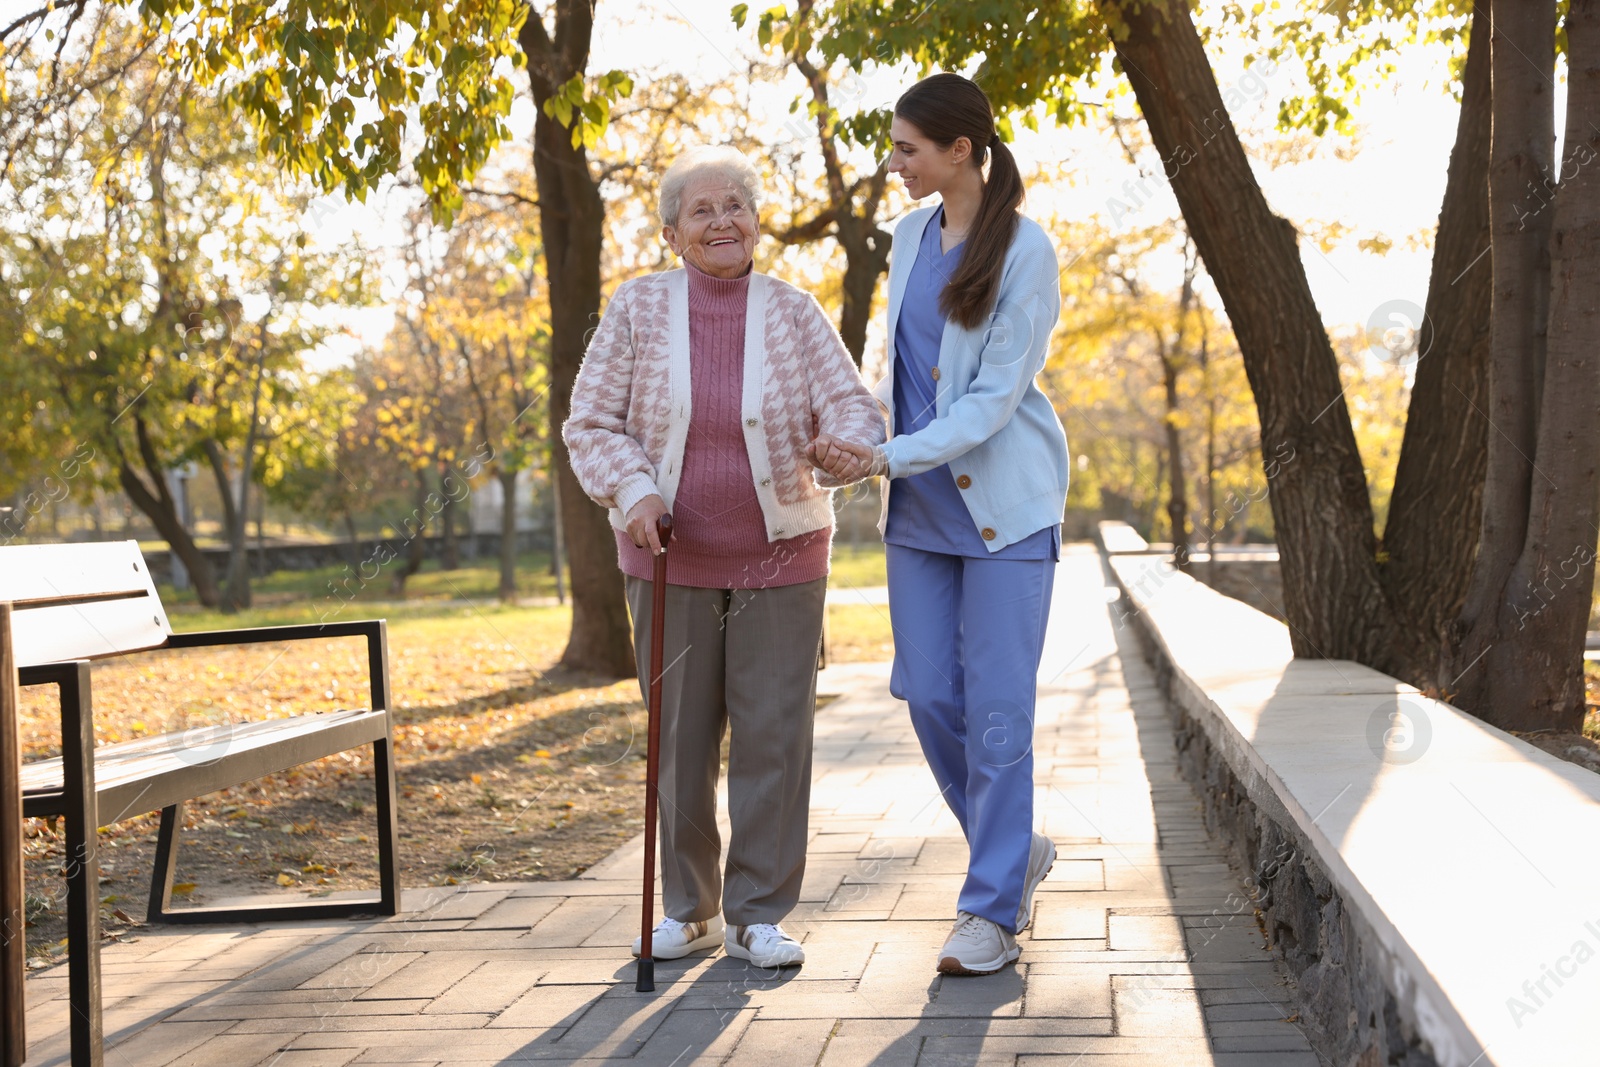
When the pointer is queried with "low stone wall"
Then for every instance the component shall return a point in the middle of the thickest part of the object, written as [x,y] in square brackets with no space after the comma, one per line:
[1426,876]
[1346,1011]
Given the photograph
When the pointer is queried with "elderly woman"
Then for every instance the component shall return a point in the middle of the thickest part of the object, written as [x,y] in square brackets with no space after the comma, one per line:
[702,394]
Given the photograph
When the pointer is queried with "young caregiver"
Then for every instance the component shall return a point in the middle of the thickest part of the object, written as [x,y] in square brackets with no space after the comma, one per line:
[977,480]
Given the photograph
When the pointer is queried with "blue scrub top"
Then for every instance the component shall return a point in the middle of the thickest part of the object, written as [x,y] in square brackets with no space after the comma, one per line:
[926,510]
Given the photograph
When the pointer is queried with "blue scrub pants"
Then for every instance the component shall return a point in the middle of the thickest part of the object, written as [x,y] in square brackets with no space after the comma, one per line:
[968,637]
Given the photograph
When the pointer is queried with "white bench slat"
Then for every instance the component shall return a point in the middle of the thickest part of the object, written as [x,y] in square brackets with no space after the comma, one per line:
[81,631]
[133,777]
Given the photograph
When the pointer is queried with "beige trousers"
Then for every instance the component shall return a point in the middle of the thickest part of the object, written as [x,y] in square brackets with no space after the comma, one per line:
[744,660]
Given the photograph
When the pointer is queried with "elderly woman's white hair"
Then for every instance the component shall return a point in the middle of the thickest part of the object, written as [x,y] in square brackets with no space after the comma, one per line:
[720,161]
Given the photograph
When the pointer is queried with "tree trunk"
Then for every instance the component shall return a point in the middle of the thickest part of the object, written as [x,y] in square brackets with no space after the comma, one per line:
[1522,629]
[866,258]
[449,548]
[1177,502]
[571,219]
[1431,534]
[1522,68]
[162,510]
[233,525]
[1327,547]
[1171,361]
[1542,670]
[261,533]
[352,548]
[416,531]
[558,553]
[237,593]
[508,535]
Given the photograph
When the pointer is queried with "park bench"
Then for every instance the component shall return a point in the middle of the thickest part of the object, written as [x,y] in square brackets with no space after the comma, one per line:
[77,603]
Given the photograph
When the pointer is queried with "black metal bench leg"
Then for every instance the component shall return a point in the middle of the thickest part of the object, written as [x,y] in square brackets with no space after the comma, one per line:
[160,909]
[383,781]
[83,870]
[166,864]
[383,776]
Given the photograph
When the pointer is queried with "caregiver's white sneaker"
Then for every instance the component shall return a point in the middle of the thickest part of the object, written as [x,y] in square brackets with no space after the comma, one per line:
[1041,857]
[764,944]
[976,946]
[672,939]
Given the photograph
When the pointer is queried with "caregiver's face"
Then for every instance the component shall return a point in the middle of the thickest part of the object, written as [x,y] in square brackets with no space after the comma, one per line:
[922,164]
[716,230]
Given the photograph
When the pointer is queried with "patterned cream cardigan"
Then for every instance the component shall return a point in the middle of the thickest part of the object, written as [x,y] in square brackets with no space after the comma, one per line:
[631,402]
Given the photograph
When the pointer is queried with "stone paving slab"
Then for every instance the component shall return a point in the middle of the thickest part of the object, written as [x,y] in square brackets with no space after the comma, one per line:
[1144,949]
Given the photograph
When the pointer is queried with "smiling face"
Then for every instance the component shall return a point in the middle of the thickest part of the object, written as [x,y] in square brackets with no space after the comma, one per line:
[716,230]
[923,165]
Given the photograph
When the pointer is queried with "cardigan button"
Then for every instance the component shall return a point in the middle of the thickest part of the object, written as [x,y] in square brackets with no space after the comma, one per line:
[778,532]
[964,482]
[988,533]
[766,481]
[751,422]
[936,374]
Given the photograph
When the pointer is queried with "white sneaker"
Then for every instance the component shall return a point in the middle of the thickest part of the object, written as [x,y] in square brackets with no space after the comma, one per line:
[1041,857]
[672,939]
[976,946]
[764,944]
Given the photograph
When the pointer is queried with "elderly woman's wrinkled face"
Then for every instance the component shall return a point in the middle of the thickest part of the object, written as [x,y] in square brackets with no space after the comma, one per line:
[716,230]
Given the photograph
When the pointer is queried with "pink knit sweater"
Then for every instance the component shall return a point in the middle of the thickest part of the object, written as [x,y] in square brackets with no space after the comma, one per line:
[719,538]
[641,389]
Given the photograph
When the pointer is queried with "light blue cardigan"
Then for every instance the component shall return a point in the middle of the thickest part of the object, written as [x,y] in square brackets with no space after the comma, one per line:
[992,423]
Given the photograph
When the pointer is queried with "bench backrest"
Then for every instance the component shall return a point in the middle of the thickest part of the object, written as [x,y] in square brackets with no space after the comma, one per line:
[105,601]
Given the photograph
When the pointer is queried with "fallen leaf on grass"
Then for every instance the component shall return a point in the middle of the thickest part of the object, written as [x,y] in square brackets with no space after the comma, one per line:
[183,889]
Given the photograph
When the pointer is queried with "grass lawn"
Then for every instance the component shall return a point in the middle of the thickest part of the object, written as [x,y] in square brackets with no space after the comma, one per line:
[329,593]
[339,592]
[860,566]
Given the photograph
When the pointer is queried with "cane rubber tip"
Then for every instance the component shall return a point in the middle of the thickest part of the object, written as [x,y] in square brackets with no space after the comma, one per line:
[647,976]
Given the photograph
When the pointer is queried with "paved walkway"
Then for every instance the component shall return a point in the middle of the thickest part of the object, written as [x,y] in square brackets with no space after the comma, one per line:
[1145,950]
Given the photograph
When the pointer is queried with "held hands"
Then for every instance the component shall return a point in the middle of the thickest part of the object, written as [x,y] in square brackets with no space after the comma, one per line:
[641,520]
[845,460]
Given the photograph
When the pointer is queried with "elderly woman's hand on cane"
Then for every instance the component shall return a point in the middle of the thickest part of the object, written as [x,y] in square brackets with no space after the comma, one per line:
[642,519]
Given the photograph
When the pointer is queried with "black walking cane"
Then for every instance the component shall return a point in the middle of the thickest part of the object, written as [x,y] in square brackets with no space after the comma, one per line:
[652,764]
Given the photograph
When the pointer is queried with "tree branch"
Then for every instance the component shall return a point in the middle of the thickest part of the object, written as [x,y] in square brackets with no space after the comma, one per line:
[812,229]
[506,194]
[40,13]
